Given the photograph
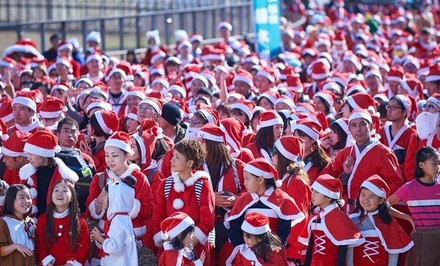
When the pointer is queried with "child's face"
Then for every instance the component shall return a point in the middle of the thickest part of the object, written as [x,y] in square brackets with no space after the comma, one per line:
[369,201]
[179,162]
[319,199]
[187,241]
[36,160]
[61,196]
[22,202]
[430,167]
[250,240]
[252,183]
[116,159]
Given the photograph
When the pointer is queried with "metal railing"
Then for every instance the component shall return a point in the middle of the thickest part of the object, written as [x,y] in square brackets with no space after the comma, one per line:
[128,31]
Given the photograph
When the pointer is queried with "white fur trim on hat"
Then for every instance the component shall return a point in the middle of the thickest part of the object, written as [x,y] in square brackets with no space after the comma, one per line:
[119,144]
[94,57]
[285,152]
[325,191]
[271,122]
[434,100]
[258,172]
[152,104]
[394,78]
[102,123]
[33,149]
[373,188]
[243,79]
[7,118]
[363,115]
[50,114]
[431,78]
[66,45]
[254,230]
[26,102]
[137,94]
[243,108]
[312,134]
[263,73]
[8,152]
[205,135]
[117,70]
[143,151]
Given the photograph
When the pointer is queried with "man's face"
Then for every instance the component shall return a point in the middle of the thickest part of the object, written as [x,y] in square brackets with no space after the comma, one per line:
[360,130]
[22,114]
[13,163]
[68,136]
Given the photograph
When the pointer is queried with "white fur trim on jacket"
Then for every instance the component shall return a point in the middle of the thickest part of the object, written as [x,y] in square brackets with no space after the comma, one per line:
[179,186]
[127,172]
[200,235]
[48,259]
[135,209]
[158,241]
[178,204]
[74,263]
[92,209]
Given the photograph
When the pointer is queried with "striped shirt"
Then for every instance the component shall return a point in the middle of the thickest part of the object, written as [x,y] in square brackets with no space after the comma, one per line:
[423,201]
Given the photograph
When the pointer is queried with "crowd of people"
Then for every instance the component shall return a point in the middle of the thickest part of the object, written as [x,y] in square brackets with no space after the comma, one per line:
[325,154]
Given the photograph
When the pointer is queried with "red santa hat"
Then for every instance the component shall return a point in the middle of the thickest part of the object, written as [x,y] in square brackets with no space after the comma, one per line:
[410,105]
[412,60]
[362,113]
[319,71]
[94,56]
[133,114]
[396,74]
[146,143]
[339,38]
[260,167]
[353,89]
[290,147]
[374,72]
[8,62]
[3,130]
[156,104]
[52,107]
[85,80]
[224,24]
[234,130]
[328,96]
[120,140]
[251,58]
[60,86]
[179,89]
[65,45]
[272,96]
[14,145]
[350,56]
[162,81]
[331,86]
[157,71]
[26,98]
[156,55]
[328,186]
[343,123]
[174,225]
[435,98]
[107,120]
[377,185]
[244,76]
[270,118]
[211,53]
[96,103]
[294,82]
[64,61]
[267,72]
[246,106]
[175,60]
[94,36]
[361,101]
[255,224]
[211,132]
[136,91]
[413,87]
[309,127]
[210,114]
[433,74]
[42,143]
[288,101]
[6,114]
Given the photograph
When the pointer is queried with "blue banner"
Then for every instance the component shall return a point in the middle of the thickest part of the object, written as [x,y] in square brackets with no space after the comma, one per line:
[267,26]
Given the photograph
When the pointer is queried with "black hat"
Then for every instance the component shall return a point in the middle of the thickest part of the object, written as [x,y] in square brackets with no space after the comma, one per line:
[171,113]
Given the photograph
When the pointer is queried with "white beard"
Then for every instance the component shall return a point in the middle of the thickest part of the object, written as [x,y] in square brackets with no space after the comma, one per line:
[192,132]
[425,123]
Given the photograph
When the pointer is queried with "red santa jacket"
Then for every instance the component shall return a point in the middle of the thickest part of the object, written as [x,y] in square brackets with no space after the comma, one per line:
[61,250]
[414,145]
[376,158]
[99,158]
[142,208]
[258,152]
[28,176]
[384,239]
[243,255]
[194,197]
[171,256]
[11,176]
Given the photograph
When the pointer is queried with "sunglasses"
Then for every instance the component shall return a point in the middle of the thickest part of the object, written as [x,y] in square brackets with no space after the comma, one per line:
[429,106]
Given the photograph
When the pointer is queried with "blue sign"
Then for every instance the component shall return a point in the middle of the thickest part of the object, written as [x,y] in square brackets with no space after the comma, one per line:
[267,26]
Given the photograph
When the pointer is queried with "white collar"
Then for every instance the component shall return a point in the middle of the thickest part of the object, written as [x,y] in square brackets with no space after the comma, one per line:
[63,214]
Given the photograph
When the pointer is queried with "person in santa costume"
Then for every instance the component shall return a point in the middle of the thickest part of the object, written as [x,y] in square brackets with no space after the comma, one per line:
[422,196]
[62,235]
[43,169]
[24,108]
[261,246]
[188,191]
[366,157]
[118,243]
[178,233]
[384,238]
[235,131]
[263,196]
[117,79]
[329,232]
[117,151]
[288,154]
[14,156]
[226,175]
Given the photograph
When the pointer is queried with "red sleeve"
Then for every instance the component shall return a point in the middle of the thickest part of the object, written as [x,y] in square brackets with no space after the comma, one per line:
[157,178]
[207,212]
[94,191]
[337,164]
[40,239]
[160,208]
[143,194]
[99,159]
[389,170]
[76,69]
[409,164]
[88,159]
[240,168]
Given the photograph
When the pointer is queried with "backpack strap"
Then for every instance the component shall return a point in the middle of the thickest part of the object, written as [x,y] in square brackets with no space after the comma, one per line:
[101,180]
[235,175]
[151,174]
[167,188]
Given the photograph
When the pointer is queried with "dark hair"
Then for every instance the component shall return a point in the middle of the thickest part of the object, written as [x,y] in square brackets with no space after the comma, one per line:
[55,35]
[318,157]
[73,217]
[11,195]
[38,84]
[97,130]
[381,108]
[268,242]
[383,211]
[342,136]
[327,106]
[422,155]
[204,92]
[67,121]
[160,148]
[247,123]
[217,155]
[192,150]
[400,103]
[264,139]
[177,242]
[200,115]
[285,165]
[226,108]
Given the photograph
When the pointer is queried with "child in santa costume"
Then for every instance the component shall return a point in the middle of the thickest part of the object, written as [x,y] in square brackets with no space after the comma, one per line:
[384,238]
[62,235]
[117,150]
[329,233]
[178,233]
[118,243]
[263,196]
[188,191]
[261,246]
[288,152]
[43,169]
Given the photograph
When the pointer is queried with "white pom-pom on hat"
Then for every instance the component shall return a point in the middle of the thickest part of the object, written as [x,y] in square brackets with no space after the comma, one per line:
[278,183]
[164,236]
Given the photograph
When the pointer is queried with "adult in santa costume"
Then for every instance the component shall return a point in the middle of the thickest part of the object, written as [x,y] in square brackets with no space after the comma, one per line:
[384,238]
[368,156]
[330,231]
[24,108]
[188,191]
[116,80]
[43,169]
[235,131]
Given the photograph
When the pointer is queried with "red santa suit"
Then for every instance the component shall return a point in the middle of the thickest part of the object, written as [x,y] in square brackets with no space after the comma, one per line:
[243,255]
[258,152]
[171,256]
[376,158]
[28,176]
[61,251]
[381,240]
[99,157]
[11,176]
[300,191]
[399,143]
[194,197]
[330,229]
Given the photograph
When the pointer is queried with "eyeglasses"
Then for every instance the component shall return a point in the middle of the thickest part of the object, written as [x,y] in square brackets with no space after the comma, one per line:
[392,107]
[429,106]
[194,122]
[146,109]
